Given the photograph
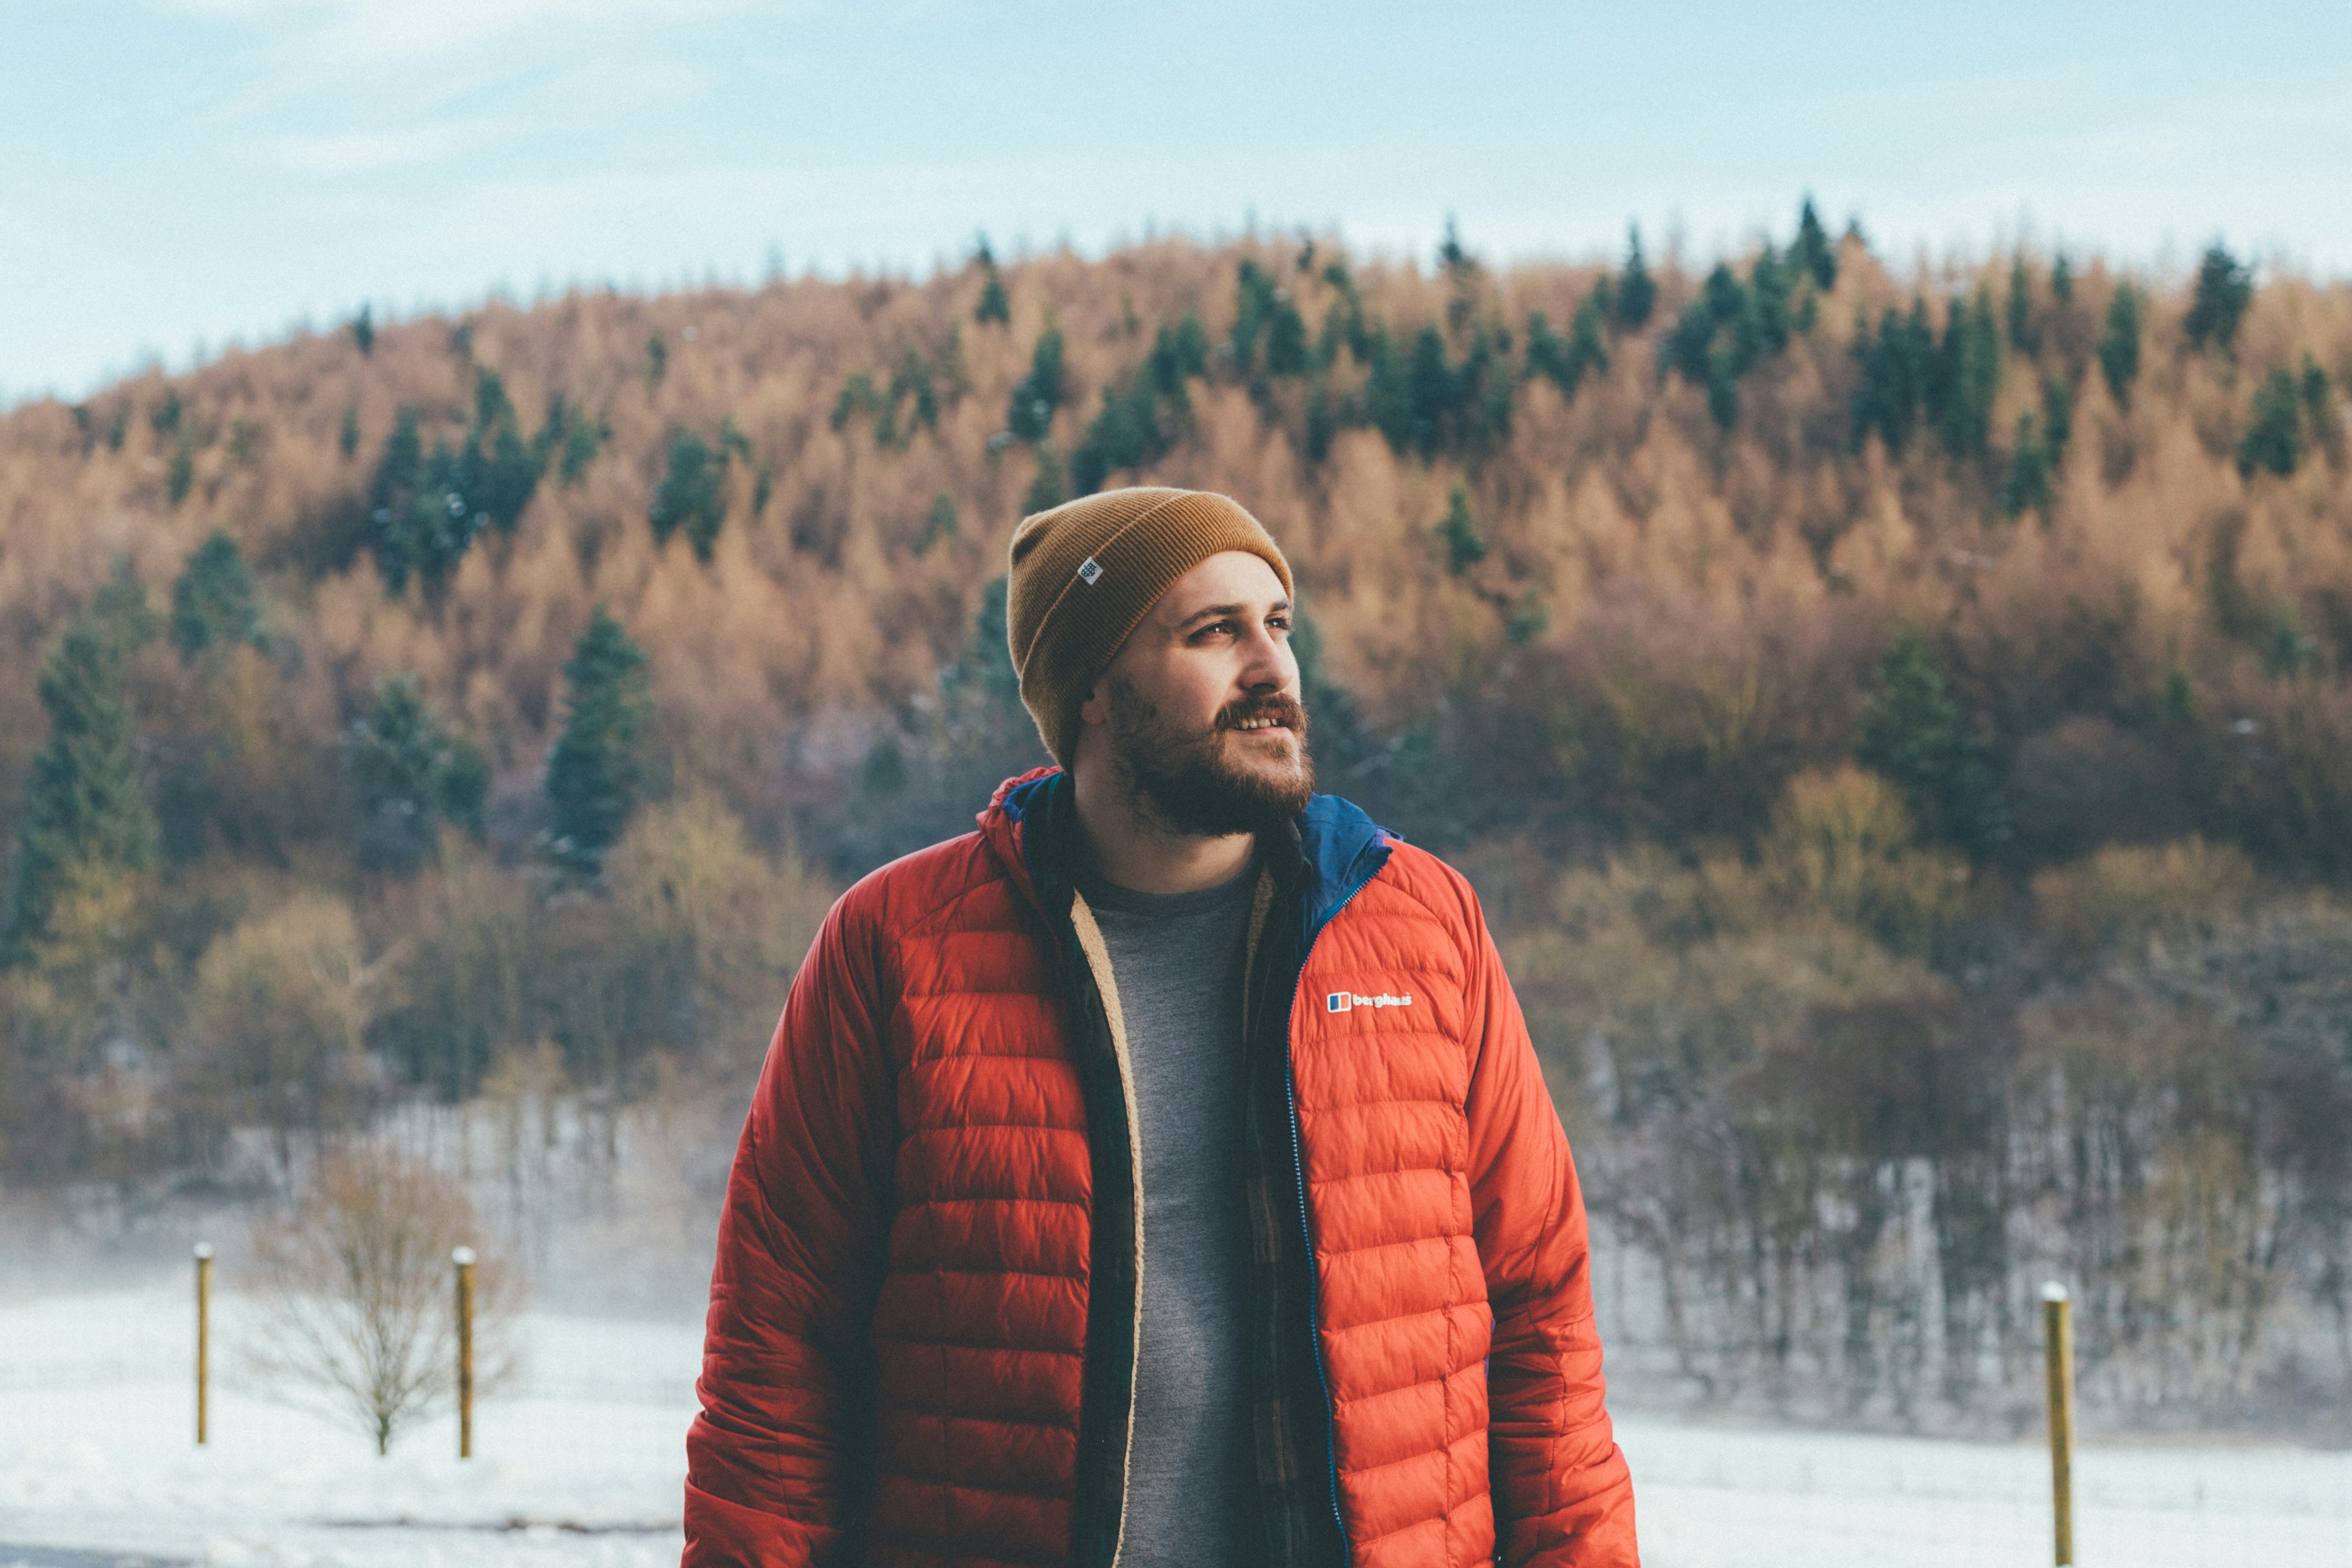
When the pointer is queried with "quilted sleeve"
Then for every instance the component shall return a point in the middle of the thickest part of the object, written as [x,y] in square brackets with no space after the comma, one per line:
[1563,1497]
[774,1467]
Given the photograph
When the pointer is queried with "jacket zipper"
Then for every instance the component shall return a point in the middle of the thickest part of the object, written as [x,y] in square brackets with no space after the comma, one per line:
[1307,1227]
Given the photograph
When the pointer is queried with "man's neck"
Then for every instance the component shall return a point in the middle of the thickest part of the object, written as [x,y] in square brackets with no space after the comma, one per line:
[1132,850]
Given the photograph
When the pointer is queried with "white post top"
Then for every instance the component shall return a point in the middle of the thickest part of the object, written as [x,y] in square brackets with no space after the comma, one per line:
[463,1256]
[2054,1291]
[204,1250]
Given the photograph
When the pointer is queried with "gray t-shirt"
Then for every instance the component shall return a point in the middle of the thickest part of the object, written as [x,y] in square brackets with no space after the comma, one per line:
[1178,961]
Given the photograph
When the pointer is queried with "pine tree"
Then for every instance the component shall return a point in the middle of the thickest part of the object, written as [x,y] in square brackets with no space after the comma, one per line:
[363,330]
[1812,253]
[86,818]
[1459,533]
[118,610]
[995,305]
[2024,334]
[408,775]
[692,495]
[2119,344]
[214,603]
[1637,292]
[2030,463]
[1967,378]
[2225,287]
[2058,416]
[2274,439]
[2319,410]
[1029,413]
[1895,366]
[181,474]
[1917,736]
[596,772]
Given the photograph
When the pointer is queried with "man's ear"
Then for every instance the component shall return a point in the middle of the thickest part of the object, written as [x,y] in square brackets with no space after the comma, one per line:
[1095,708]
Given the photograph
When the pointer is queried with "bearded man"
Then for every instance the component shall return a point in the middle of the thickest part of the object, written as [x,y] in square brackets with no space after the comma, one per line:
[1160,1174]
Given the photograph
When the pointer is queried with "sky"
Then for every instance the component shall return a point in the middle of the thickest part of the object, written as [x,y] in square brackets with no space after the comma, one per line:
[176,176]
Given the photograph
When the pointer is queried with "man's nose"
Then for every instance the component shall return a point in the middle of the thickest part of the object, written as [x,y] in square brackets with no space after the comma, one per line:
[1265,665]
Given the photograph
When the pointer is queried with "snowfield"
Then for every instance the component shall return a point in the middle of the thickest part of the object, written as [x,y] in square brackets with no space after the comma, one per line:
[580,1463]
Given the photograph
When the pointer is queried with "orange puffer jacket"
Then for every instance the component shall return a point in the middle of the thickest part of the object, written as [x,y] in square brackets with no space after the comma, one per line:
[895,1359]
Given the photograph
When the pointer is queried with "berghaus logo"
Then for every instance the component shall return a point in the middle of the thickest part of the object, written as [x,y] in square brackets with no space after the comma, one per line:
[1349,1001]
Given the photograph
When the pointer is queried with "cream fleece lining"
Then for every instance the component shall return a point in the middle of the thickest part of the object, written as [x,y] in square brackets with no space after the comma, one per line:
[1098,952]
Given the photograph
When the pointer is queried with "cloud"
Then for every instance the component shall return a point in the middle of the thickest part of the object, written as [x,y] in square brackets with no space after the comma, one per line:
[383,31]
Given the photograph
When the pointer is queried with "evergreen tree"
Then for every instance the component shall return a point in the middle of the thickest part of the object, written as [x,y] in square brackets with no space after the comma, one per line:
[2274,439]
[1029,414]
[86,818]
[1459,533]
[2030,464]
[596,772]
[692,495]
[363,330]
[1967,378]
[2024,334]
[1263,310]
[2119,344]
[118,610]
[347,438]
[1637,292]
[2058,416]
[427,506]
[2225,287]
[569,439]
[1917,736]
[1566,360]
[1721,333]
[2062,280]
[214,603]
[182,475]
[995,305]
[2319,411]
[1895,366]
[1432,391]
[408,775]
[1813,253]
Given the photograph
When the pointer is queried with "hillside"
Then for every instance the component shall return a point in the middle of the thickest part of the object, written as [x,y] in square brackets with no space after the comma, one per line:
[1897,714]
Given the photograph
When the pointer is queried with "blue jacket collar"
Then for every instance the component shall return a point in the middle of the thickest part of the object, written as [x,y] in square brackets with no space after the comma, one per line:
[1340,848]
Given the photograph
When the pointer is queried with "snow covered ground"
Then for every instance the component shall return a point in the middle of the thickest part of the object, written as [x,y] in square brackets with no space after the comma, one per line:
[580,1463]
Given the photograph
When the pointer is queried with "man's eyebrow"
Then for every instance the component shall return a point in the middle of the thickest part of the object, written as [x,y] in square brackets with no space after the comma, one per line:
[1220,612]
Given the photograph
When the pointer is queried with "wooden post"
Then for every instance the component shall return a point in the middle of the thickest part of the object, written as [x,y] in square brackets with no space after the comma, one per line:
[2058,1338]
[203,1332]
[464,1258]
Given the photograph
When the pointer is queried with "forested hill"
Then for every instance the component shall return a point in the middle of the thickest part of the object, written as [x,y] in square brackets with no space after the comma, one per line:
[1610,551]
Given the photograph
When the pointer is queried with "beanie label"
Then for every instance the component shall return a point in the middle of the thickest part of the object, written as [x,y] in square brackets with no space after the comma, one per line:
[1088,570]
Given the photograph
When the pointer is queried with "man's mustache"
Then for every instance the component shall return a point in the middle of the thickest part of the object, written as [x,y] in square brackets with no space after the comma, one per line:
[1281,706]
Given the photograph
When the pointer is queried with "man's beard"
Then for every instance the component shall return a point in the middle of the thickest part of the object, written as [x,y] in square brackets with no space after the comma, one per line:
[1180,781]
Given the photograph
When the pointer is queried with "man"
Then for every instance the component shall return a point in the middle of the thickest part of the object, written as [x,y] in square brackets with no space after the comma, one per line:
[1160,1174]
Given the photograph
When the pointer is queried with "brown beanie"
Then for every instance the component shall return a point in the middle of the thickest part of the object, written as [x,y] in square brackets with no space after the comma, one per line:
[1085,574]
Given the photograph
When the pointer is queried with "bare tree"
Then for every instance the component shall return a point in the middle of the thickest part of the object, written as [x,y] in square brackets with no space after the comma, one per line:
[357,1292]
